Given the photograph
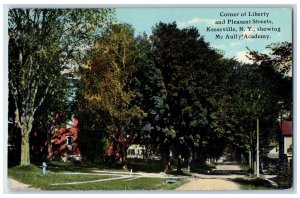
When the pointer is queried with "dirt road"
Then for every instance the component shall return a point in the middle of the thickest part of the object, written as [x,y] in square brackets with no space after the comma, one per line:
[209,184]
[214,182]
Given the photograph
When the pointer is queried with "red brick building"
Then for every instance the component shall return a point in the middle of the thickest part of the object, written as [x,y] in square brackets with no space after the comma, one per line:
[64,142]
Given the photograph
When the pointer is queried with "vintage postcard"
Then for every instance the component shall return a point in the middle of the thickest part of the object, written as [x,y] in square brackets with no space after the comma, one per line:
[190,99]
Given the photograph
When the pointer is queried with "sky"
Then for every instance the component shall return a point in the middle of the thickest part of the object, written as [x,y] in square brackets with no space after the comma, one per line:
[279,22]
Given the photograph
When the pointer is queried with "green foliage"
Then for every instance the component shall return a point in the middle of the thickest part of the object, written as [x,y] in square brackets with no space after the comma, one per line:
[105,77]
[105,92]
[151,97]
[195,77]
[253,97]
[280,58]
[277,67]
[260,91]
[92,144]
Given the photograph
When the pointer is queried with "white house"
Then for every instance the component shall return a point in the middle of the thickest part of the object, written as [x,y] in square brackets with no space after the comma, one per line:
[136,151]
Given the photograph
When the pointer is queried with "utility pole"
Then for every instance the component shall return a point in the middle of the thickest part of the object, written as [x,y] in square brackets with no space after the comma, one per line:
[257,147]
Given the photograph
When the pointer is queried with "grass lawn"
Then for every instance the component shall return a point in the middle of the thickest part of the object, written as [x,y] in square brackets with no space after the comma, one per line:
[249,183]
[31,175]
[122,184]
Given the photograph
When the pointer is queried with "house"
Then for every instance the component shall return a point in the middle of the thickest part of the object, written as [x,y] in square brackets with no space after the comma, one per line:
[136,151]
[282,151]
[286,140]
[64,142]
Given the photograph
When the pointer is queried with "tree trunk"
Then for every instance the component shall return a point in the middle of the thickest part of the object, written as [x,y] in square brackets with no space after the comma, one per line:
[25,151]
[190,159]
[50,153]
[179,163]
[167,161]
[124,161]
[25,147]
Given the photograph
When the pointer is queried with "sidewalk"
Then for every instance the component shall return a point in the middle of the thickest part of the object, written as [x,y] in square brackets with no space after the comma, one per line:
[14,185]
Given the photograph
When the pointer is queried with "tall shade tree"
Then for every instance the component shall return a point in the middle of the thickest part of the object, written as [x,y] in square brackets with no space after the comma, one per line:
[259,91]
[252,99]
[105,92]
[44,44]
[277,66]
[273,71]
[152,98]
[194,76]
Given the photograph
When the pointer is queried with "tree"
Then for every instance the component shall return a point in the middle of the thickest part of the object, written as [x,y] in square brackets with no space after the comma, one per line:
[43,44]
[276,69]
[254,96]
[105,92]
[152,98]
[195,78]
[277,66]
[280,59]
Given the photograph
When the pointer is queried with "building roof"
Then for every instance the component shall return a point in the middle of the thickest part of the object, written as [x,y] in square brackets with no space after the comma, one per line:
[286,128]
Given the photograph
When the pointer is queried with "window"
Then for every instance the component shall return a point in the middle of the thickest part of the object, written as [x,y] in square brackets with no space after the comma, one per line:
[132,152]
[290,149]
[70,142]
